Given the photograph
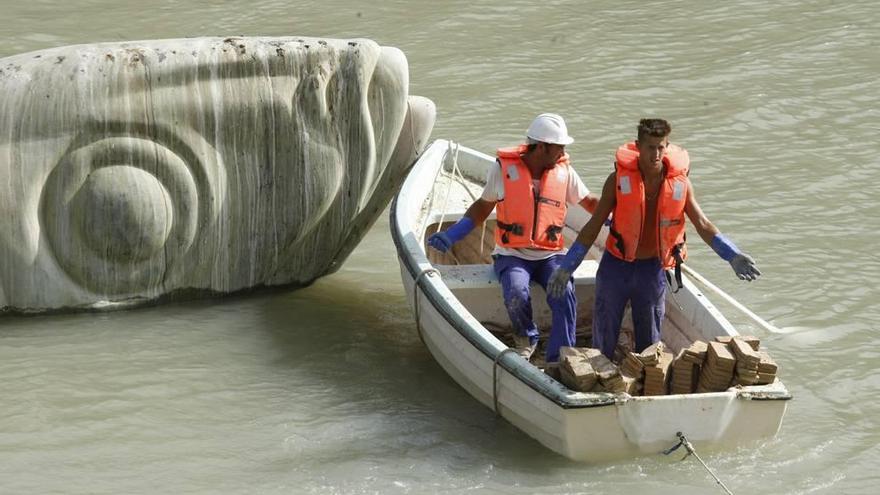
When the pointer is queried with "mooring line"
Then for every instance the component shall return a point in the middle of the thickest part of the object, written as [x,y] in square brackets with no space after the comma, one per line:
[683,441]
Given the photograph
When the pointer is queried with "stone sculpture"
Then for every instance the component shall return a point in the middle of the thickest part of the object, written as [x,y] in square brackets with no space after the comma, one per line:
[136,171]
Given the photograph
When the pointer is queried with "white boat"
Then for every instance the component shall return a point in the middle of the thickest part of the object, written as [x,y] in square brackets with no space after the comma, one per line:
[460,316]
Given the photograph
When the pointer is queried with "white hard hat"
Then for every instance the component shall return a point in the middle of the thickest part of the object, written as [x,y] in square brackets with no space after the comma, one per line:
[549,128]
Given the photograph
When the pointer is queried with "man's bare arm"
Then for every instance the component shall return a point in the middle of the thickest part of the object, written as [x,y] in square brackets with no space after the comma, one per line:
[600,213]
[705,228]
[561,276]
[479,210]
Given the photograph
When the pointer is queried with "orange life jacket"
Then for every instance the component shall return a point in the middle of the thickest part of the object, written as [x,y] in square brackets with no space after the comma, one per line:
[629,211]
[527,219]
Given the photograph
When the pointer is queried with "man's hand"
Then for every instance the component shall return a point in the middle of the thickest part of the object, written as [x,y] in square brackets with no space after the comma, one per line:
[558,282]
[560,277]
[744,267]
[442,241]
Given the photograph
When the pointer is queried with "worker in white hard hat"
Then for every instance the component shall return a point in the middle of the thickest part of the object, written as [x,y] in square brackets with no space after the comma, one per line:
[531,188]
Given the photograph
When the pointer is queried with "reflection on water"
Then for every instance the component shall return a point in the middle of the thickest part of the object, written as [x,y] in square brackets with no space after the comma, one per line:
[328,389]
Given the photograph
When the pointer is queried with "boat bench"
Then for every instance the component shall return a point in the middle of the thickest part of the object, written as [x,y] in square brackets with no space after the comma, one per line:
[483,275]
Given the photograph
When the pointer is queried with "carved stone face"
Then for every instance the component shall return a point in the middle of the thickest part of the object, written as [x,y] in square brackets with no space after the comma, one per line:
[134,170]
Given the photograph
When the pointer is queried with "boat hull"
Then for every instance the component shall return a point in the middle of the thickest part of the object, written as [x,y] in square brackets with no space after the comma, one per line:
[609,430]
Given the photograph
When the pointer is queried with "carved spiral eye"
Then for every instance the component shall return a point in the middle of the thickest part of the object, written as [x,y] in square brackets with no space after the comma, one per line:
[123,213]
[119,212]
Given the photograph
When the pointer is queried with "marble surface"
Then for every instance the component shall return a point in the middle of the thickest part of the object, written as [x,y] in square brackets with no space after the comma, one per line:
[143,170]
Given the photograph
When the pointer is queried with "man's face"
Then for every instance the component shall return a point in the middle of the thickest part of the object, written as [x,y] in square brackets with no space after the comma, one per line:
[552,153]
[652,149]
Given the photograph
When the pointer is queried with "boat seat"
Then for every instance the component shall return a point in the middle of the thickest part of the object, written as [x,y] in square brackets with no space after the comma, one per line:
[483,275]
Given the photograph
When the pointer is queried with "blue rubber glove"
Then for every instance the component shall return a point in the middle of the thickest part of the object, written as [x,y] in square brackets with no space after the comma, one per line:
[442,241]
[560,277]
[743,265]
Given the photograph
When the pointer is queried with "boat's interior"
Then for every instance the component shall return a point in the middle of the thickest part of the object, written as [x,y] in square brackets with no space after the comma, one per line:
[467,271]
[467,268]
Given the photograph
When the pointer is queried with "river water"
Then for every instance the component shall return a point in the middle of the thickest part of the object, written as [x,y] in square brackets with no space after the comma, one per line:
[329,390]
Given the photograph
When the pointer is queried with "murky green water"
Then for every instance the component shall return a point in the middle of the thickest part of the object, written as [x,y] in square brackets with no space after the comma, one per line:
[328,389]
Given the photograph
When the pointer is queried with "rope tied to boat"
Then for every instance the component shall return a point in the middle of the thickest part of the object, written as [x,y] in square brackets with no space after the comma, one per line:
[453,149]
[495,378]
[429,272]
[683,441]
[454,174]
[424,228]
[458,176]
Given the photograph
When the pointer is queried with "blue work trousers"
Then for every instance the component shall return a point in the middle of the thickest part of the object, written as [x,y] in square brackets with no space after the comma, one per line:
[515,275]
[642,283]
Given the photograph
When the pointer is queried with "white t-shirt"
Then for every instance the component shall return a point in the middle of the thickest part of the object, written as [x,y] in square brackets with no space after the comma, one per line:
[575,191]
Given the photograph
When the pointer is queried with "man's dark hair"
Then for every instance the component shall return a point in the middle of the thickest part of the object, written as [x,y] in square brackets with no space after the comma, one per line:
[653,127]
[531,144]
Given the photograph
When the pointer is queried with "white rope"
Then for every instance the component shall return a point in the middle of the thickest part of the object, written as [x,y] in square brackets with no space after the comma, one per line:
[454,148]
[460,178]
[482,239]
[454,174]
[423,228]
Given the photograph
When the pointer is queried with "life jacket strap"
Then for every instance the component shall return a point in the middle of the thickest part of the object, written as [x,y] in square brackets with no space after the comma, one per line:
[509,228]
[618,240]
[553,232]
[676,254]
[549,201]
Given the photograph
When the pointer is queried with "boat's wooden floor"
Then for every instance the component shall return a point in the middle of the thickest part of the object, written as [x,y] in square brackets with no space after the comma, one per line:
[583,338]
